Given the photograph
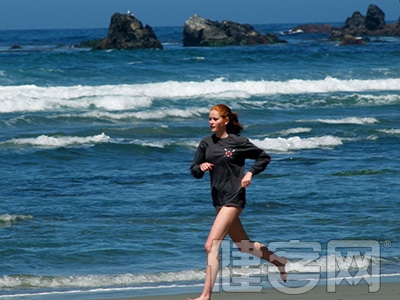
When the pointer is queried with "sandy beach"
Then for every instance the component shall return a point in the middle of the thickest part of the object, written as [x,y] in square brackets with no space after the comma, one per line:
[387,291]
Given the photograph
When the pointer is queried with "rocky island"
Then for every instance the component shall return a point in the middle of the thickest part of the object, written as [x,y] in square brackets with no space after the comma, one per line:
[356,28]
[125,32]
[198,31]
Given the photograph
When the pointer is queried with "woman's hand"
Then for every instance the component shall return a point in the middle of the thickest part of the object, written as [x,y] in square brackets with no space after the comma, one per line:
[246,180]
[206,166]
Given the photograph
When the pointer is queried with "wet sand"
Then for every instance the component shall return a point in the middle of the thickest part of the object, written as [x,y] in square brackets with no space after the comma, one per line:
[387,291]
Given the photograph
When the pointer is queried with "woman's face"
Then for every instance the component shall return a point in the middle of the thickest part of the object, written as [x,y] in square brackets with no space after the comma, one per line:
[217,123]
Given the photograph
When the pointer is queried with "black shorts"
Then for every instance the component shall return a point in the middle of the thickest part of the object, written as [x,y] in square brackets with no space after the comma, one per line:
[238,199]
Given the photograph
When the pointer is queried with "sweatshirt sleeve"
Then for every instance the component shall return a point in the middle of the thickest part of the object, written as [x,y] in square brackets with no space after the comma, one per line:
[199,158]
[262,159]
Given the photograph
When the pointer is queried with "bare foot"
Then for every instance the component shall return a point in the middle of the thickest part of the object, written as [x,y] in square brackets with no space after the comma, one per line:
[281,265]
[200,298]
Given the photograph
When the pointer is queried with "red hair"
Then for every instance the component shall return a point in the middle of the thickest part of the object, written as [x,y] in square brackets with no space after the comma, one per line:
[225,112]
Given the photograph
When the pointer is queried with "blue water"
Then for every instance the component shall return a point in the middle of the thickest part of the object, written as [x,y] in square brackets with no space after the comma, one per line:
[95,147]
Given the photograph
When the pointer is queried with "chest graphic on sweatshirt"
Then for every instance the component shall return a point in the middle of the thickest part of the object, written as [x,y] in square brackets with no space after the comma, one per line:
[229,153]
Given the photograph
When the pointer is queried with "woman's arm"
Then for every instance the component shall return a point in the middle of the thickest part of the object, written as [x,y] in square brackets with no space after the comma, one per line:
[262,159]
[199,158]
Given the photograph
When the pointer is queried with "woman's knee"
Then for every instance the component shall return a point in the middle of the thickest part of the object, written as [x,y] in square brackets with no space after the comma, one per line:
[258,245]
[207,247]
[212,246]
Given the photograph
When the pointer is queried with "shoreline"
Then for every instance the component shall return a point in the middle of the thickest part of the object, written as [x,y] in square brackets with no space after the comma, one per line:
[387,291]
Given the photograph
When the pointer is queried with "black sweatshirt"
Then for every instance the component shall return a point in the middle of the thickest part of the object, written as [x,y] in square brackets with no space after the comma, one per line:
[228,156]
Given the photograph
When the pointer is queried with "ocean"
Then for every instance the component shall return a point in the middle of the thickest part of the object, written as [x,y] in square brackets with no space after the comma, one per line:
[96,195]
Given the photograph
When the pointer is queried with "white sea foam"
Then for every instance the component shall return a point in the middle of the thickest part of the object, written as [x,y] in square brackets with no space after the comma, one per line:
[8,219]
[300,269]
[153,144]
[161,114]
[91,281]
[141,115]
[349,120]
[272,144]
[297,143]
[295,130]
[195,58]
[34,98]
[60,141]
[390,131]
[288,144]
[137,96]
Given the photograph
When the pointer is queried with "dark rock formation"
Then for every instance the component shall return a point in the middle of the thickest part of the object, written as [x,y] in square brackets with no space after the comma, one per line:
[375,18]
[336,36]
[351,40]
[314,28]
[373,24]
[355,22]
[126,32]
[198,31]
[347,39]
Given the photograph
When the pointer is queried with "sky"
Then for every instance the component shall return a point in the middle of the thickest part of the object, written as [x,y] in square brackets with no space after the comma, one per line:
[71,14]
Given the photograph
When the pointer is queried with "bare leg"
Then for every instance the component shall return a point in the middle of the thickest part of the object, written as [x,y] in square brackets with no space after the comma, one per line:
[238,234]
[226,215]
